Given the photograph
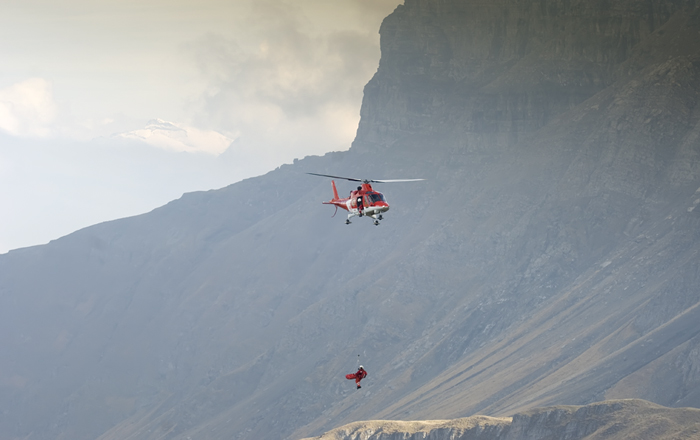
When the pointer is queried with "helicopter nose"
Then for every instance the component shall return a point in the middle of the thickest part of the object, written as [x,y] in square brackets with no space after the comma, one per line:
[381,208]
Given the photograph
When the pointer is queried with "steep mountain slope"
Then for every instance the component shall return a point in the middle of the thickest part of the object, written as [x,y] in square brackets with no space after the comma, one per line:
[550,258]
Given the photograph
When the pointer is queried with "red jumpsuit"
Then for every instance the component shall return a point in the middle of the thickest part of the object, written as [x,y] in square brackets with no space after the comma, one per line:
[358,376]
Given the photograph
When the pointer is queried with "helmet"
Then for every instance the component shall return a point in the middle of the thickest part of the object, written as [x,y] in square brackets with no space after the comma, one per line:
[361,368]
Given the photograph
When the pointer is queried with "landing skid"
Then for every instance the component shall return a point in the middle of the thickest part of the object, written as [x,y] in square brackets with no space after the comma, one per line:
[376,218]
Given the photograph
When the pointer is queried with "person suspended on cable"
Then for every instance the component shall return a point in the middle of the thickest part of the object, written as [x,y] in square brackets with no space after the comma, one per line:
[358,376]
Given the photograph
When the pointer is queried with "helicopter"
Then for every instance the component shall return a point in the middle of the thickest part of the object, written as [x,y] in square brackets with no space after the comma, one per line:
[364,201]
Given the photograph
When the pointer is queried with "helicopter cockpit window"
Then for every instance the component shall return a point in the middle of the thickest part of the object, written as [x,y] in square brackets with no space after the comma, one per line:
[376,197]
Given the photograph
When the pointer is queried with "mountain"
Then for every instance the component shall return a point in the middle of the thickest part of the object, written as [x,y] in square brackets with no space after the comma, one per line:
[550,258]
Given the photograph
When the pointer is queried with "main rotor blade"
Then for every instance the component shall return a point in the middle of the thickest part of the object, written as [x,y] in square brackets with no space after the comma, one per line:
[395,180]
[337,177]
[366,180]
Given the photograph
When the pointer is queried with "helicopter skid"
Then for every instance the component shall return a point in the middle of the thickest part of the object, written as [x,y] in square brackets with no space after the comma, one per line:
[375,211]
[374,214]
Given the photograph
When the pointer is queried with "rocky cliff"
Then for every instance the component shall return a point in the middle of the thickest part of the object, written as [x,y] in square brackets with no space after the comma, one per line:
[481,76]
[550,258]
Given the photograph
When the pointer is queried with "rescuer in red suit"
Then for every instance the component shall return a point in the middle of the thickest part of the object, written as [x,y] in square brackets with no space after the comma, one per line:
[358,376]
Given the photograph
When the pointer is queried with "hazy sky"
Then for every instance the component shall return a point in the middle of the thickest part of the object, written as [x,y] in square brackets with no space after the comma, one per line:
[110,108]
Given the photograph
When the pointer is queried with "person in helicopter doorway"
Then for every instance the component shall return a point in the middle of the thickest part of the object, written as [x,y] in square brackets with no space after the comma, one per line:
[359,202]
[359,375]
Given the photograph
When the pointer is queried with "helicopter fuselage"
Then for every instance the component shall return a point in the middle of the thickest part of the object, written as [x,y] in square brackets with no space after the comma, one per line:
[363,201]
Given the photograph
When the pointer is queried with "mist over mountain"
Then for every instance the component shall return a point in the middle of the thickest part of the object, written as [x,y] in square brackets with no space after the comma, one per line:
[550,258]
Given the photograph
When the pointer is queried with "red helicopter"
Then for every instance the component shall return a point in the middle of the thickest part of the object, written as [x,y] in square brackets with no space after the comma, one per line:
[363,201]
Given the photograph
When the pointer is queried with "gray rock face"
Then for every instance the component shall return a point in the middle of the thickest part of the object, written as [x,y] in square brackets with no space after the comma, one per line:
[489,73]
[550,258]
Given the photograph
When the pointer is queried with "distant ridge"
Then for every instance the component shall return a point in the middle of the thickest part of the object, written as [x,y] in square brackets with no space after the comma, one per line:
[610,420]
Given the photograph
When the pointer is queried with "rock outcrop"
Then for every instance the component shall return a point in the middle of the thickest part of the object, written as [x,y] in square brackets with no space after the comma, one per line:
[621,419]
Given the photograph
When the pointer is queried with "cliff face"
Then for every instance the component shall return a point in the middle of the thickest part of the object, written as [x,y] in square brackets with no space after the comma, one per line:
[551,256]
[481,75]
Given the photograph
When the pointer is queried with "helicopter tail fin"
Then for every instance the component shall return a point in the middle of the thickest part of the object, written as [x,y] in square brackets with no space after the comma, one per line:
[335,191]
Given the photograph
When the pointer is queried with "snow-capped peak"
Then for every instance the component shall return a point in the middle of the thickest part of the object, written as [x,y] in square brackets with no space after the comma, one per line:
[179,137]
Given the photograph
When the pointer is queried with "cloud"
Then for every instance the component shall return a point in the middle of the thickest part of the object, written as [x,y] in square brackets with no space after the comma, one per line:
[180,137]
[291,81]
[27,108]
[296,73]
